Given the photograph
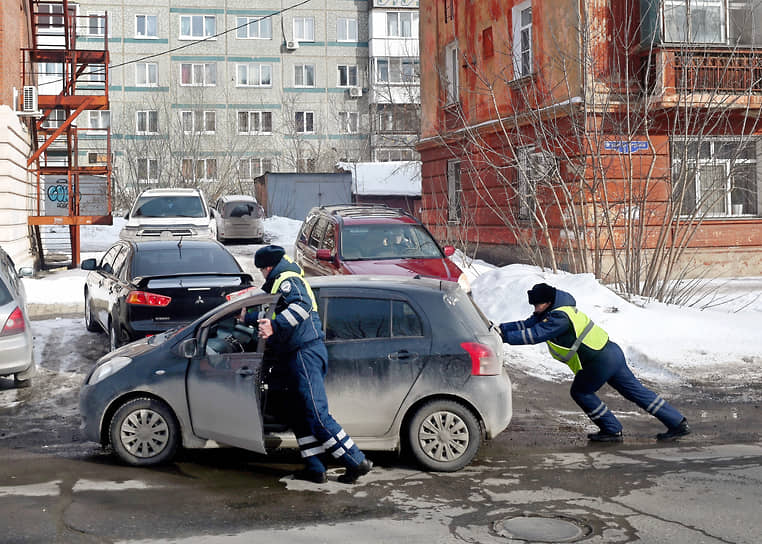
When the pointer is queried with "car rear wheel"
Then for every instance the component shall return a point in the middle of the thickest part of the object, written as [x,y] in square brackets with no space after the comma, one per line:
[144,432]
[444,435]
[90,324]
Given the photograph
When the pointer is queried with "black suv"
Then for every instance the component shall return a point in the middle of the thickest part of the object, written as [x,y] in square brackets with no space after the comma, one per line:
[372,239]
[411,362]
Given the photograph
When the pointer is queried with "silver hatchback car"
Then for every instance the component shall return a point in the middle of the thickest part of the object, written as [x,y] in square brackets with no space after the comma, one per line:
[239,216]
[412,364]
[16,354]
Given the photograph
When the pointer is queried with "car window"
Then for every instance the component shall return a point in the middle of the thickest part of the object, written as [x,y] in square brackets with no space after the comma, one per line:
[119,261]
[107,262]
[206,259]
[388,241]
[329,238]
[10,271]
[405,321]
[304,233]
[468,312]
[5,294]
[169,206]
[357,318]
[241,209]
[317,233]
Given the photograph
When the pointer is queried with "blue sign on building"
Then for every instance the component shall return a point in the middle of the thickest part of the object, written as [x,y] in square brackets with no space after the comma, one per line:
[626,147]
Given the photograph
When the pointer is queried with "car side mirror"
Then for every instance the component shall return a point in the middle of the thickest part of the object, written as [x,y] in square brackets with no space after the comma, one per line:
[127,215]
[187,348]
[449,251]
[89,264]
[26,272]
[324,255]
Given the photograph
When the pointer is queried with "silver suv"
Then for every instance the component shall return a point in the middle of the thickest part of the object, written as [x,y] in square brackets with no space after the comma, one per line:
[169,213]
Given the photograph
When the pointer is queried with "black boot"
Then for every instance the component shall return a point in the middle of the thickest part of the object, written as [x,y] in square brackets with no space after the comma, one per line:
[352,473]
[311,476]
[681,429]
[604,436]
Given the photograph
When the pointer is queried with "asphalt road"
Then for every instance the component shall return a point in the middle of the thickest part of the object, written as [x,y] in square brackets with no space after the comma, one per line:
[538,478]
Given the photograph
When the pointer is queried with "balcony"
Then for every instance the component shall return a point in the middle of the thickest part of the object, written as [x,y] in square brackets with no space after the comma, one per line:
[703,74]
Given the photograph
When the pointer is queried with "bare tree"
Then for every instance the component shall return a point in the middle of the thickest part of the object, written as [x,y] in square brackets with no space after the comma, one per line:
[611,164]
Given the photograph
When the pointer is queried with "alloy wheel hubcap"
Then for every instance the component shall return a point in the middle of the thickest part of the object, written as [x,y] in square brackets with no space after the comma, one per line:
[443,436]
[144,433]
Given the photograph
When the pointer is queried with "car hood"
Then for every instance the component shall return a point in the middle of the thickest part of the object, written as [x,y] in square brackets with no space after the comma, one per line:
[430,268]
[140,221]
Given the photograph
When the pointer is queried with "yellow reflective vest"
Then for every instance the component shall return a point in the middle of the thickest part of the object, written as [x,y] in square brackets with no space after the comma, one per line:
[587,333]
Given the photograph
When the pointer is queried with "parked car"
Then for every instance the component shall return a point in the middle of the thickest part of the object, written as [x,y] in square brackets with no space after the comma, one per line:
[239,216]
[412,363]
[169,213]
[16,354]
[143,288]
[372,239]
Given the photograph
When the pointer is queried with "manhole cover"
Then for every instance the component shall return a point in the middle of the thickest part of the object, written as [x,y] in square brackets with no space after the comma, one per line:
[542,529]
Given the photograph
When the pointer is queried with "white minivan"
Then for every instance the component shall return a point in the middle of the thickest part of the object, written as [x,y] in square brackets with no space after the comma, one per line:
[239,216]
[169,213]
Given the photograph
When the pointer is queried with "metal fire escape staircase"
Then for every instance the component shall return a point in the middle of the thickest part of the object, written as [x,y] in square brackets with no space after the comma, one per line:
[66,77]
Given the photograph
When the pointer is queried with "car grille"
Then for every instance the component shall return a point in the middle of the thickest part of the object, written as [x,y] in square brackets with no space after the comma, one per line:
[157,232]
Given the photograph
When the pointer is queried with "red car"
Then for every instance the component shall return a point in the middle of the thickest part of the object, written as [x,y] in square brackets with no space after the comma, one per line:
[373,240]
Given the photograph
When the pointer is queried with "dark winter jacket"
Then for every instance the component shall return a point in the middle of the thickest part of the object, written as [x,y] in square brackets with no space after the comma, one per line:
[555,326]
[296,324]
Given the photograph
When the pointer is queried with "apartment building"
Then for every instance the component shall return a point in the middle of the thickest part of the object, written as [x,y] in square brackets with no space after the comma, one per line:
[219,92]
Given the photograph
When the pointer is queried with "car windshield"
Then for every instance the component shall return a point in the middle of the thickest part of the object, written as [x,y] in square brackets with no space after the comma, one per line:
[206,259]
[241,209]
[395,241]
[169,206]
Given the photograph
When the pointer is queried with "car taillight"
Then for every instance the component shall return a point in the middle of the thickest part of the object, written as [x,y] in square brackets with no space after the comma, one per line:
[14,324]
[241,293]
[144,298]
[484,362]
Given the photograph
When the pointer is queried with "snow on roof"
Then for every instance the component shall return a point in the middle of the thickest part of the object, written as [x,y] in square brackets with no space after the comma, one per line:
[384,178]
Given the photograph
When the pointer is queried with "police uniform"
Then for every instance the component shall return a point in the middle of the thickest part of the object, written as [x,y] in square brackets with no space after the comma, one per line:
[594,359]
[297,341]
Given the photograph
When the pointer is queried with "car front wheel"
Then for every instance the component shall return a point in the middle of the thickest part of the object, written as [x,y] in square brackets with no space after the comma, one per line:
[444,435]
[90,324]
[144,432]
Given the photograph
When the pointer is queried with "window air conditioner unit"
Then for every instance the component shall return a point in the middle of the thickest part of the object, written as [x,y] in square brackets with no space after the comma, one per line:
[30,99]
[292,45]
[355,92]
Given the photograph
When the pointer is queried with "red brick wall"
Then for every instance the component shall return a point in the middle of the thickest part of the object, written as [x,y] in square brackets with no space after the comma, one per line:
[14,35]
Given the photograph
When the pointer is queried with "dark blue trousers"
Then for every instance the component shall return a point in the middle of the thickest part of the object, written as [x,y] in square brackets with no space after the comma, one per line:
[610,367]
[315,429]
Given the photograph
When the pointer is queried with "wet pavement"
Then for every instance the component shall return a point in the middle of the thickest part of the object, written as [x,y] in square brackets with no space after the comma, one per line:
[537,476]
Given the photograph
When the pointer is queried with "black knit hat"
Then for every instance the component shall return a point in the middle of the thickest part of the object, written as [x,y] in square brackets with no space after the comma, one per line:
[268,256]
[542,292]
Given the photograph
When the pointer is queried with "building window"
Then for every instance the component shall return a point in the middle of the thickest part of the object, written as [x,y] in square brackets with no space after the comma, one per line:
[199,122]
[197,26]
[147,74]
[346,29]
[199,169]
[397,70]
[347,75]
[145,26]
[55,118]
[349,122]
[395,154]
[99,119]
[255,74]
[397,118]
[93,157]
[96,23]
[50,15]
[488,46]
[735,22]
[402,24]
[449,10]
[304,122]
[254,28]
[255,122]
[522,39]
[94,72]
[716,177]
[199,75]
[252,168]
[148,170]
[454,192]
[304,75]
[304,29]
[451,72]
[306,165]
[147,122]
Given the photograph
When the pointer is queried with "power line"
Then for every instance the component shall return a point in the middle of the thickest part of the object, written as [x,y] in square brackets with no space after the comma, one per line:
[183,46]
